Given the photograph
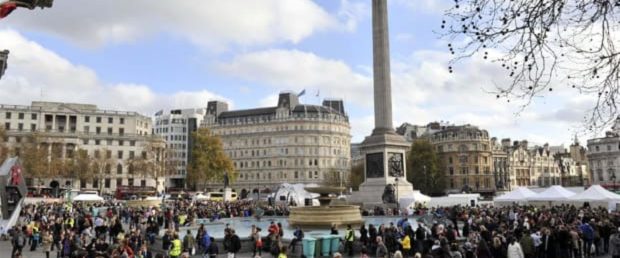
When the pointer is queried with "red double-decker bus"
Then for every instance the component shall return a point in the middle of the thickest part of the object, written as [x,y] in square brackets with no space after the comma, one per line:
[134,192]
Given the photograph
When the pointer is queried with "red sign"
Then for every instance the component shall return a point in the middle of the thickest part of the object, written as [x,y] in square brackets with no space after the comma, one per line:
[16,175]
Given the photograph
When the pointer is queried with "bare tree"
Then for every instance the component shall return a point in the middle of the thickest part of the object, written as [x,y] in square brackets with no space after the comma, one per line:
[544,44]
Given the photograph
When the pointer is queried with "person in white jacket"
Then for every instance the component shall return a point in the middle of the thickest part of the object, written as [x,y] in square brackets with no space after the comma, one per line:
[514,249]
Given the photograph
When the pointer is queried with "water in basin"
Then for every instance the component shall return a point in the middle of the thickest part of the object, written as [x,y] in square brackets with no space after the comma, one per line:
[243,226]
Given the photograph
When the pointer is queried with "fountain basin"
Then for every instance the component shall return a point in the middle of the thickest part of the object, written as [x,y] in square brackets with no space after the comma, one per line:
[325,216]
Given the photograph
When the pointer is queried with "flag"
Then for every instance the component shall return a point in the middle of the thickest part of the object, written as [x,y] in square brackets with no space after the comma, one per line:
[301,93]
[159,113]
[6,9]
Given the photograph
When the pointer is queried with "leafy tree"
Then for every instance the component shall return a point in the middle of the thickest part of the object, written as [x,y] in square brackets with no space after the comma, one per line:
[356,176]
[34,157]
[209,162]
[102,163]
[334,177]
[542,45]
[150,164]
[4,149]
[57,165]
[424,168]
[81,167]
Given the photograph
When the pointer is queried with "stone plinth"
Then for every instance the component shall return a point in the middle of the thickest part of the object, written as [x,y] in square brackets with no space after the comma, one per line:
[228,194]
[325,216]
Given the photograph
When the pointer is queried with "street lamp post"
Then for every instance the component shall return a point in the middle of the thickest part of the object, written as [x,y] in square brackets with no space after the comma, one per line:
[613,179]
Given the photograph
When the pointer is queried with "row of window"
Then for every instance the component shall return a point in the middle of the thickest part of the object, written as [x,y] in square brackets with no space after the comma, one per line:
[608,147]
[279,175]
[21,116]
[464,159]
[107,183]
[109,142]
[465,170]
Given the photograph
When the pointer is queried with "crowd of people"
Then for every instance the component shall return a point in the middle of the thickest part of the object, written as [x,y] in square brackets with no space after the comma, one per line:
[115,230]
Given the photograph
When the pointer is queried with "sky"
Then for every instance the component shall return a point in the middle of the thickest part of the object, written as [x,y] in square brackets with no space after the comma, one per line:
[145,56]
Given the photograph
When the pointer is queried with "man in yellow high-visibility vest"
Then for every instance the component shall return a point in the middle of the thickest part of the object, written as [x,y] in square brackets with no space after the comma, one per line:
[175,250]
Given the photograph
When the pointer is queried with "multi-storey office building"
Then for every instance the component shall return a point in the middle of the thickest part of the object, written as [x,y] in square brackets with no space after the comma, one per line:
[468,158]
[290,142]
[176,127]
[64,128]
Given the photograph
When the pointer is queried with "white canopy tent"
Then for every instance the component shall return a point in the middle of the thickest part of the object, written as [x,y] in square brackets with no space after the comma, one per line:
[596,195]
[296,193]
[552,194]
[411,201]
[519,195]
[88,197]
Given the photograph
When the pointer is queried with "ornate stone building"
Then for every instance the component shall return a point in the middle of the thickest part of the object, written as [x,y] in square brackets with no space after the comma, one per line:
[287,143]
[531,166]
[604,160]
[467,157]
[176,127]
[412,132]
[500,165]
[65,128]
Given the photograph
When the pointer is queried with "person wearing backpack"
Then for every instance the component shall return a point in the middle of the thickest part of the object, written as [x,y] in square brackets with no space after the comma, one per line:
[235,244]
[212,250]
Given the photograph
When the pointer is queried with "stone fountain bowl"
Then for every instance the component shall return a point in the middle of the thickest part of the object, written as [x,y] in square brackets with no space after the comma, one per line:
[325,216]
[325,189]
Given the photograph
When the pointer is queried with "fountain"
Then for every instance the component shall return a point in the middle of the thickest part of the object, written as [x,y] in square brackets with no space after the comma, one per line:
[325,215]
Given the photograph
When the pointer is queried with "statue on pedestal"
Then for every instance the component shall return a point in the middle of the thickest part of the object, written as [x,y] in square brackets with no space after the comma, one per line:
[226,180]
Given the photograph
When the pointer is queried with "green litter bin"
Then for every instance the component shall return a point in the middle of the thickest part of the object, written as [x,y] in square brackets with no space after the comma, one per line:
[308,246]
[326,245]
[335,243]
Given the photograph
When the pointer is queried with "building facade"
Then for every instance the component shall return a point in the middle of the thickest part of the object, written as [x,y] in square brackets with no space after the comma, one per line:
[604,160]
[412,132]
[287,143]
[500,165]
[176,127]
[531,166]
[65,128]
[467,157]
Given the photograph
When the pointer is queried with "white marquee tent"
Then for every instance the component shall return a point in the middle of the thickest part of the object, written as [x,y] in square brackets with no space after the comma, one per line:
[410,201]
[598,196]
[88,197]
[518,195]
[554,193]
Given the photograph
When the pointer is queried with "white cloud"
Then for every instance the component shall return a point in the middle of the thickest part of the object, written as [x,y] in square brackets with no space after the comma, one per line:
[297,70]
[351,13]
[210,23]
[423,91]
[429,6]
[36,73]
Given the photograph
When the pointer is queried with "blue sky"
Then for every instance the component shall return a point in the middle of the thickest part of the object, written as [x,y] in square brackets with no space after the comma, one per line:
[151,55]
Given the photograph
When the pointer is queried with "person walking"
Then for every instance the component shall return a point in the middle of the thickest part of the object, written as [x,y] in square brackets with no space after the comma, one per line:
[514,249]
[614,243]
[382,251]
[46,243]
[405,242]
[349,238]
[18,241]
[176,249]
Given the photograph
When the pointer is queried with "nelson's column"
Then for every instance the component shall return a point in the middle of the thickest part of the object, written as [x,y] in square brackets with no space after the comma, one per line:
[384,150]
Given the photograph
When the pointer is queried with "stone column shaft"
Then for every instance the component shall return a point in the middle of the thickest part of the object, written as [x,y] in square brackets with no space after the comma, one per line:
[381,68]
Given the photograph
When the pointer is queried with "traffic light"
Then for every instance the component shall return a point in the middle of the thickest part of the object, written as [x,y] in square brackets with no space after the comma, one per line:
[31,4]
[4,55]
